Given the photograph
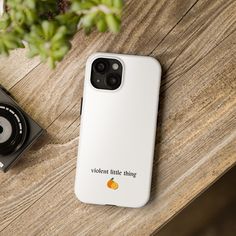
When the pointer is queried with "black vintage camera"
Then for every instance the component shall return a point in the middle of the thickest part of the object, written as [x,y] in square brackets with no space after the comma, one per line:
[17,131]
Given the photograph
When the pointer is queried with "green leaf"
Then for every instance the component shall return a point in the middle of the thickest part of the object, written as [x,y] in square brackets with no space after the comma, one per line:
[48,29]
[101,25]
[4,22]
[108,2]
[61,32]
[59,54]
[113,23]
[70,21]
[78,6]
[88,20]
[118,4]
[3,49]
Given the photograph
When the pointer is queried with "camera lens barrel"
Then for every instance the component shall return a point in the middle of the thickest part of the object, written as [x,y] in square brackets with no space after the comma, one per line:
[13,129]
[100,66]
[113,81]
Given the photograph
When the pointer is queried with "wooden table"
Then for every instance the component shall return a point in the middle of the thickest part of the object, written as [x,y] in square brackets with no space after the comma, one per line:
[195,41]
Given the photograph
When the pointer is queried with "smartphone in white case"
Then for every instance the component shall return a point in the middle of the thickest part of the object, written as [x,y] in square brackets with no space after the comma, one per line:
[118,129]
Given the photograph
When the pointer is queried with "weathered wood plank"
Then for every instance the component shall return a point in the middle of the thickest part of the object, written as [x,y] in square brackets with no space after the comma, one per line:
[15,67]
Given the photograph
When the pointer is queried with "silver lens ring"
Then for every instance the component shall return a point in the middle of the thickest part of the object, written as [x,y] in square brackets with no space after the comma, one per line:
[5,129]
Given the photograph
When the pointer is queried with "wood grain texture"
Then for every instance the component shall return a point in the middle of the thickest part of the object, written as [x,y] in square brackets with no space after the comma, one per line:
[195,41]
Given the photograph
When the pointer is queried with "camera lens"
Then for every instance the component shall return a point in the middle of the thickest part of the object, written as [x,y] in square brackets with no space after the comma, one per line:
[100,66]
[113,81]
[5,129]
[13,129]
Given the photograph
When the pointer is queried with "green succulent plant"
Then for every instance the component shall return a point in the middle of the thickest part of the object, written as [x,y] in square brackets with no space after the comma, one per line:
[46,27]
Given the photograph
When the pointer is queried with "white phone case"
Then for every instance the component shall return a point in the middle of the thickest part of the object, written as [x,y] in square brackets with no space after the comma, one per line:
[117,135]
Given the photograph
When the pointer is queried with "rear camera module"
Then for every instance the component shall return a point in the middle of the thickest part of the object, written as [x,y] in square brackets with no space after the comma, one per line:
[106,73]
[13,129]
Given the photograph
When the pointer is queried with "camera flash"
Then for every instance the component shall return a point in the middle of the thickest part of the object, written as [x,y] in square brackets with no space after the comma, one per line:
[115,66]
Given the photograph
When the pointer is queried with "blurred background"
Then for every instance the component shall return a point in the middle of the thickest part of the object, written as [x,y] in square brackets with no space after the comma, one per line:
[213,213]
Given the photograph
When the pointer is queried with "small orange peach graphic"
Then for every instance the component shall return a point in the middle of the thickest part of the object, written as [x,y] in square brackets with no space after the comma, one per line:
[112,184]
